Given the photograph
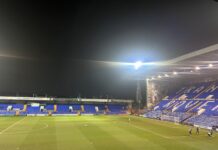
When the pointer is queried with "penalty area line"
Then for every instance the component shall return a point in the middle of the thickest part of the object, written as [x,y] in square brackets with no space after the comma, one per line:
[152,132]
[14,124]
[158,134]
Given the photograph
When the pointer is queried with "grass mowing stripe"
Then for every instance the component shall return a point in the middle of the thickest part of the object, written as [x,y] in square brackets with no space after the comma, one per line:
[43,139]
[14,124]
[101,139]
[193,142]
[163,128]
[153,139]
[133,141]
[12,141]
[150,131]
[69,136]
[99,132]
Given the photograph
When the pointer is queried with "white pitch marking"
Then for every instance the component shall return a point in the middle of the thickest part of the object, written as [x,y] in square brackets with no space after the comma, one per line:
[12,125]
[160,135]
[24,132]
[155,133]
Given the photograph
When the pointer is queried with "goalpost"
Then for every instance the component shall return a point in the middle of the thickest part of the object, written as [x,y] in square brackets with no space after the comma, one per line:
[176,120]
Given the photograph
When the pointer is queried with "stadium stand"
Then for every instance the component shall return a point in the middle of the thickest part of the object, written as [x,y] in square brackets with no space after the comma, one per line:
[203,121]
[156,114]
[11,109]
[194,105]
[116,109]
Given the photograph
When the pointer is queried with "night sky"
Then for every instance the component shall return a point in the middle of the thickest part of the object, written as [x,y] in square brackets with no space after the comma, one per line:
[52,47]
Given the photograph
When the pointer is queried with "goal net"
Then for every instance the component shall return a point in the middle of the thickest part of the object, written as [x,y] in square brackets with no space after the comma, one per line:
[174,119]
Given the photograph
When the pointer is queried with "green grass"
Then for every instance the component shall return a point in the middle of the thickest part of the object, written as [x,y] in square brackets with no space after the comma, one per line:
[98,133]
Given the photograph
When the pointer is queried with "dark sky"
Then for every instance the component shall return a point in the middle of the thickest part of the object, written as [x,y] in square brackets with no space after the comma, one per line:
[51,47]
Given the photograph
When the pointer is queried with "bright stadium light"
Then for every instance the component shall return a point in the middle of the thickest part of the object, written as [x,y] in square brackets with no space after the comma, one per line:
[197,68]
[138,64]
[210,65]
[160,76]
[175,73]
[166,75]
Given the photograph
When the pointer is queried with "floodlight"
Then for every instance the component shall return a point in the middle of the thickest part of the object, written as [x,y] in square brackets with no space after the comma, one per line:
[175,73]
[210,65]
[137,64]
[166,75]
[160,76]
[197,68]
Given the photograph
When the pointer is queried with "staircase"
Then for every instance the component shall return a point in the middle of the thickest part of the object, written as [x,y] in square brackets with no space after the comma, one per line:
[179,93]
[24,107]
[198,104]
[204,90]
[187,118]
[55,108]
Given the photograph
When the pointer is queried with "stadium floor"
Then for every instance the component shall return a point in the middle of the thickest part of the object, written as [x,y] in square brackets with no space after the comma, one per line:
[98,133]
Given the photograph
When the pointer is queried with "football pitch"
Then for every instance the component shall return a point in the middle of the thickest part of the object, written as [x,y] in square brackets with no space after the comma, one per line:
[99,133]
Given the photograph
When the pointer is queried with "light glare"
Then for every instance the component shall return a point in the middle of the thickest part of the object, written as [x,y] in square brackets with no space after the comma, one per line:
[210,65]
[137,65]
[166,75]
[197,68]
